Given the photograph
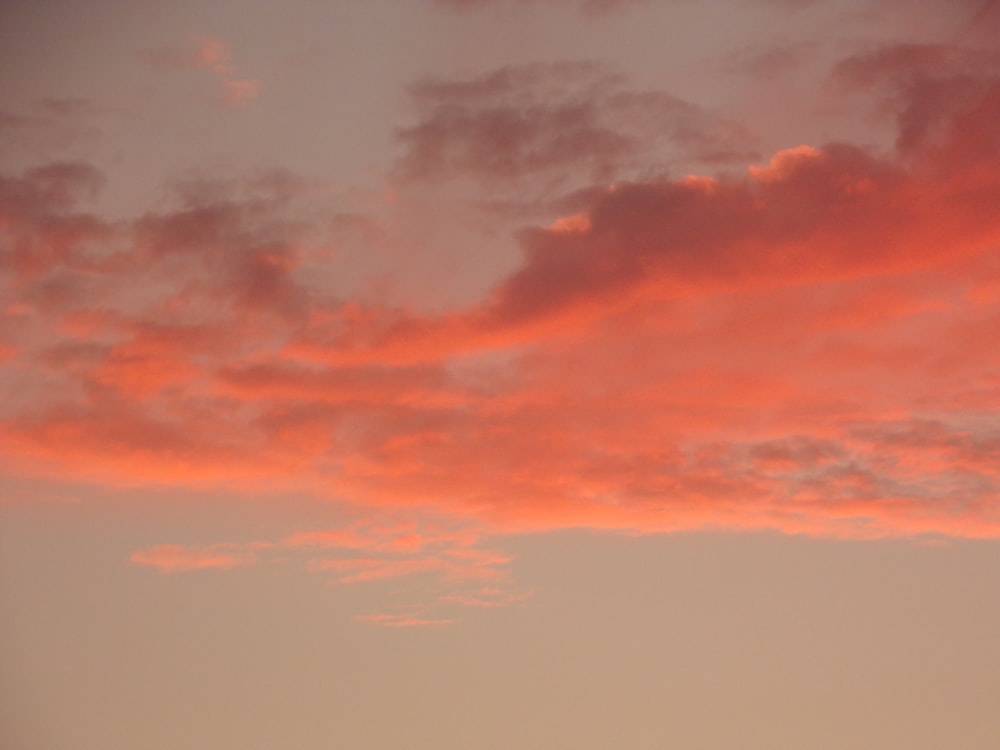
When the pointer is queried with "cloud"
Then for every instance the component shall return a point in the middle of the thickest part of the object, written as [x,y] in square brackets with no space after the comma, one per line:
[807,217]
[555,121]
[238,92]
[836,265]
[485,598]
[773,60]
[42,227]
[49,126]
[444,562]
[213,55]
[402,621]
[807,345]
[455,565]
[168,558]
[942,95]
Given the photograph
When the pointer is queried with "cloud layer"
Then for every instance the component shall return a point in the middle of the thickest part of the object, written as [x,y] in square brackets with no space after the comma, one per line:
[808,344]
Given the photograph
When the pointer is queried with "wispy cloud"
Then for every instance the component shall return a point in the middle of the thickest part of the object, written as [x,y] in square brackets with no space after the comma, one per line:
[445,561]
[213,55]
[169,558]
[402,621]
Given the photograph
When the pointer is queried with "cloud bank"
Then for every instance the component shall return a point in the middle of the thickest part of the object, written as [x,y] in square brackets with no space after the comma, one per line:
[808,344]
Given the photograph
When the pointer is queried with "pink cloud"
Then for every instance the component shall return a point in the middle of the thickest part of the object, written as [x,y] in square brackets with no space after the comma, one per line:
[402,621]
[50,126]
[168,558]
[547,122]
[806,217]
[486,598]
[213,55]
[708,267]
[363,570]
[40,216]
[240,92]
[809,345]
[430,556]
[420,553]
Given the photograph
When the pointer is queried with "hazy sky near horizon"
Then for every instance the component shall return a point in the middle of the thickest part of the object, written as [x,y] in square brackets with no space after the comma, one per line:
[500,373]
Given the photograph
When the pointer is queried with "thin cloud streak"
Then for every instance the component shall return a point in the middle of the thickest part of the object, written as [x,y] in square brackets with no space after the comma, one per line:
[213,55]
[402,621]
[168,558]
[445,561]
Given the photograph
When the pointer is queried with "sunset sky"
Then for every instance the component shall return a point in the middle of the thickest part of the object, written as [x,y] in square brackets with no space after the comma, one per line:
[495,374]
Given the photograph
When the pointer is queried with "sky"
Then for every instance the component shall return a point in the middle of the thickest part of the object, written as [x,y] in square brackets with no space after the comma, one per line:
[562,374]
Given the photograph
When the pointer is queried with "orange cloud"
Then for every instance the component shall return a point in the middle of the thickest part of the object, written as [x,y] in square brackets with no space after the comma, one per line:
[169,558]
[809,345]
[402,621]
[444,561]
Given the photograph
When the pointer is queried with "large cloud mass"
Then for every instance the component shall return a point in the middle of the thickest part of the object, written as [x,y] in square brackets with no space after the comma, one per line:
[810,345]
